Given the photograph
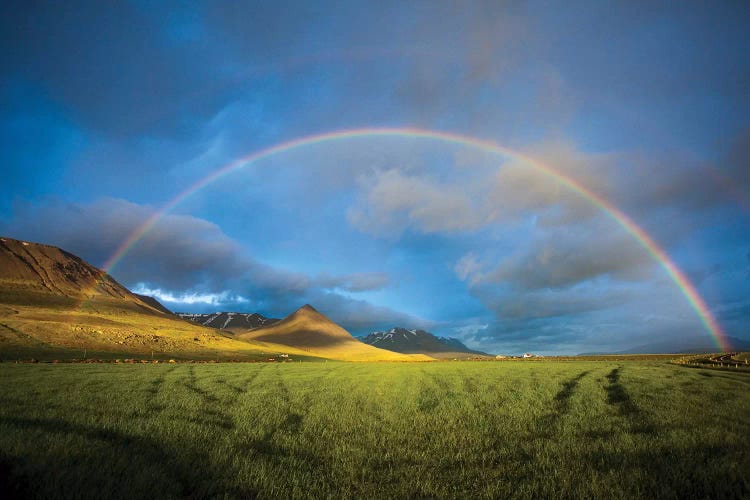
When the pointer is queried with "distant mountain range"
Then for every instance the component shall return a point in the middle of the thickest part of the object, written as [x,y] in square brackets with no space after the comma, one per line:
[229,320]
[419,341]
[309,330]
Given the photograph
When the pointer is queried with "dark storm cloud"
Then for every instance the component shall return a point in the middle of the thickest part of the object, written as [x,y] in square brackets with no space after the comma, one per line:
[532,335]
[180,252]
[555,304]
[361,317]
[602,330]
[561,258]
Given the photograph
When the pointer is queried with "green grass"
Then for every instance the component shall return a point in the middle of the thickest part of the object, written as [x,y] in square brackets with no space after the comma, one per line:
[486,430]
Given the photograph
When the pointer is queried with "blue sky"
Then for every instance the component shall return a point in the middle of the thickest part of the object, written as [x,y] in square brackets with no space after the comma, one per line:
[109,112]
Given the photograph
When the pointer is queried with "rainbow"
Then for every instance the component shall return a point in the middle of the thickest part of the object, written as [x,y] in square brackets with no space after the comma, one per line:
[672,270]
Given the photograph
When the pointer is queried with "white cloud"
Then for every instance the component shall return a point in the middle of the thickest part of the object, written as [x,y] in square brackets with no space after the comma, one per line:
[393,201]
[190,298]
[470,330]
[469,268]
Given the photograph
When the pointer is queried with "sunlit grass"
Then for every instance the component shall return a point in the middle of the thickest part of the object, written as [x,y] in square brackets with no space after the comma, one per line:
[495,429]
[99,331]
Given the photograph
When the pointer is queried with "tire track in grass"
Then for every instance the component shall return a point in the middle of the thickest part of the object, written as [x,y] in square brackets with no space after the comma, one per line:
[293,420]
[428,398]
[216,417]
[241,389]
[548,424]
[206,410]
[192,385]
[434,391]
[153,391]
[292,423]
[619,398]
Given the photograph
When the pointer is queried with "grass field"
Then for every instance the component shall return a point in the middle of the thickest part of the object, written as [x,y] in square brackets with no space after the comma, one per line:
[594,429]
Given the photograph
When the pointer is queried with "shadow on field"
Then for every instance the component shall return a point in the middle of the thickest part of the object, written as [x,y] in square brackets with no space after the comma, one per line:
[12,485]
[563,397]
[179,469]
[618,397]
[547,423]
[692,472]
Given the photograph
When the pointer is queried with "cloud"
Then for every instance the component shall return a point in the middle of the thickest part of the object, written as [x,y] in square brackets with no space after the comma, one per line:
[572,255]
[361,317]
[394,201]
[556,303]
[180,251]
[212,299]
[471,190]
[468,268]
[520,189]
[356,282]
[470,330]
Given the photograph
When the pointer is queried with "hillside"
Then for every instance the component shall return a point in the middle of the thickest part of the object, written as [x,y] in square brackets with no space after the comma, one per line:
[53,305]
[229,320]
[420,342]
[153,303]
[36,274]
[311,331]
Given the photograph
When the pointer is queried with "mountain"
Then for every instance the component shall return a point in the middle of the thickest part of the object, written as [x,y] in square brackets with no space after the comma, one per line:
[311,331]
[229,320]
[33,273]
[420,342]
[54,305]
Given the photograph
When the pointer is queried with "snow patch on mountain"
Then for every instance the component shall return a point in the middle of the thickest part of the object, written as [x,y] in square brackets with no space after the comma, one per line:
[229,320]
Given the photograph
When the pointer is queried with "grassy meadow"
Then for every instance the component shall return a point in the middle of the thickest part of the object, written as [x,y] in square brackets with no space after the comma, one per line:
[603,429]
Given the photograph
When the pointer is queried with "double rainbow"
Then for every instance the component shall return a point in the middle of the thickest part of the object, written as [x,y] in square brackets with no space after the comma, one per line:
[674,272]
